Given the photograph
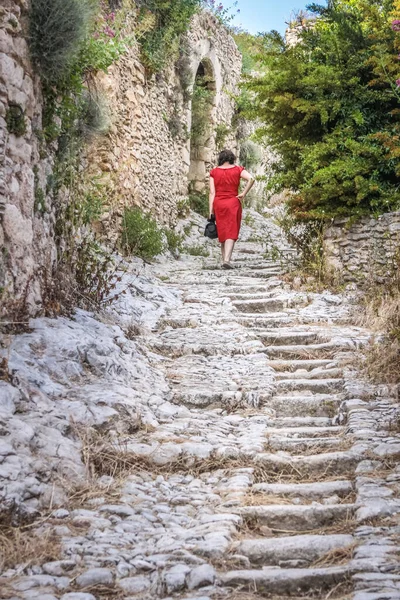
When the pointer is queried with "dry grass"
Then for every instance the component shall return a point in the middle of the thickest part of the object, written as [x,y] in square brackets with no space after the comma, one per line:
[290,474]
[103,455]
[336,557]
[20,545]
[262,499]
[106,592]
[251,526]
[341,591]
[381,314]
[82,493]
[307,448]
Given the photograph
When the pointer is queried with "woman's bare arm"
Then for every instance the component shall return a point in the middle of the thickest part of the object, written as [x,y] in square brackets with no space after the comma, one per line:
[212,195]
[250,182]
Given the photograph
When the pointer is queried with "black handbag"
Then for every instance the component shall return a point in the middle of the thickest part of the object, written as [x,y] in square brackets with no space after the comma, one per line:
[211,229]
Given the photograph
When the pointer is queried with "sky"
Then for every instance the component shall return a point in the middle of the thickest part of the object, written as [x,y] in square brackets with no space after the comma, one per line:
[263,15]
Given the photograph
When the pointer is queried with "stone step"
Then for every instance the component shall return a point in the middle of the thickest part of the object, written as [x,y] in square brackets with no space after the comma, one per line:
[207,398]
[316,386]
[253,320]
[298,446]
[251,295]
[255,273]
[253,288]
[259,265]
[261,305]
[293,337]
[328,463]
[310,491]
[305,432]
[303,351]
[318,405]
[317,373]
[285,518]
[293,551]
[289,582]
[295,421]
[287,366]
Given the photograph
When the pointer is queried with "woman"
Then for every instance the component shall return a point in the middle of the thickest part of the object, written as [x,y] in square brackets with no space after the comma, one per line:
[225,201]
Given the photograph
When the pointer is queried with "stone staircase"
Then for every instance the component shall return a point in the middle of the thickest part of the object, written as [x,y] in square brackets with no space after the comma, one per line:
[301,534]
[264,466]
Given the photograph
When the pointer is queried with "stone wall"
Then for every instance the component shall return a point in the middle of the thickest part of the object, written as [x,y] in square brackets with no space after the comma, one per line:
[145,158]
[365,251]
[25,227]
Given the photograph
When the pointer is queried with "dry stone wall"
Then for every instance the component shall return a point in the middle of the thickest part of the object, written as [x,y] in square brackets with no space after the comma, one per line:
[145,159]
[25,226]
[365,251]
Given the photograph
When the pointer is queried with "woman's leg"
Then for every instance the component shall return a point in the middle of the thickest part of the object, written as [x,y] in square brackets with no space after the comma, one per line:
[223,251]
[229,246]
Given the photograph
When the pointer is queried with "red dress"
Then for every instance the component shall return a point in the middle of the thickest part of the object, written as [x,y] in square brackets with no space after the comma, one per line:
[227,207]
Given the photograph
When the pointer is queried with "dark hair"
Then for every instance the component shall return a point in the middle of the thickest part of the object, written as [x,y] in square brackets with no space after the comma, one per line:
[226,156]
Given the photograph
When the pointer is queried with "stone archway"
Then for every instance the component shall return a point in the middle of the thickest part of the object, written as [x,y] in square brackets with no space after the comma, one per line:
[202,139]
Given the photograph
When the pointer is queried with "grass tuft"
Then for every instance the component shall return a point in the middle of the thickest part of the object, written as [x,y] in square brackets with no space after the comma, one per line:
[21,546]
[56,30]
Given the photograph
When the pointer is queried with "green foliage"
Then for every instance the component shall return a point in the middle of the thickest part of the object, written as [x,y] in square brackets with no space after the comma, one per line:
[174,240]
[141,236]
[199,203]
[196,251]
[222,131]
[331,110]
[202,101]
[250,155]
[161,25]
[93,200]
[15,120]
[183,68]
[183,207]
[250,47]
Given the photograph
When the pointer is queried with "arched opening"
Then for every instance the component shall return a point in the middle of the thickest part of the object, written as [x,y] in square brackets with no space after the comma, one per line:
[202,126]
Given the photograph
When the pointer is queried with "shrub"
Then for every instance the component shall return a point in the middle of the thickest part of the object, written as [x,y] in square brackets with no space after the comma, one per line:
[330,109]
[199,203]
[174,240]
[250,155]
[56,30]
[196,251]
[141,235]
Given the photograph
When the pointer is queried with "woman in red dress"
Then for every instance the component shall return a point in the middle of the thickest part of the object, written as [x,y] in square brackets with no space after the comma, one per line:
[226,202]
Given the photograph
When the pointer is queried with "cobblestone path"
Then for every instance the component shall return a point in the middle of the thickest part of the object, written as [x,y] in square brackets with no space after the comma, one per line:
[268,469]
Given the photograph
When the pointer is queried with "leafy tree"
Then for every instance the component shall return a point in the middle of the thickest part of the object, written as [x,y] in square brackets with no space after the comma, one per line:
[330,108]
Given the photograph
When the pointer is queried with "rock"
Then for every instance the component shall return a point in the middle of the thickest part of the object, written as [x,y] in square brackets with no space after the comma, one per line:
[95,577]
[175,578]
[201,576]
[134,585]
